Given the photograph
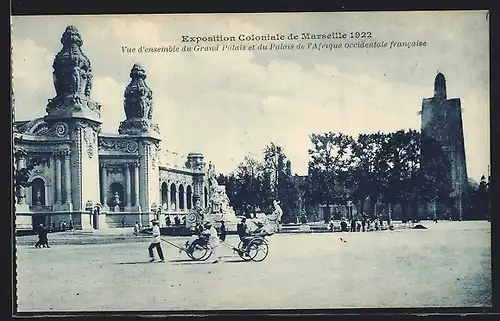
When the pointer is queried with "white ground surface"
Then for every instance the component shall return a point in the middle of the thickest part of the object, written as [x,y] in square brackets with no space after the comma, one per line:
[447,265]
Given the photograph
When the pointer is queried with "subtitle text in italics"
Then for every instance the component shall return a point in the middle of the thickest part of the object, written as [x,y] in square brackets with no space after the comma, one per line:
[277,41]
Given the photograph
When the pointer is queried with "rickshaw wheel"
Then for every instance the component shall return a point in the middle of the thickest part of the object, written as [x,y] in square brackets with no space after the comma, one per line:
[258,249]
[242,252]
[201,252]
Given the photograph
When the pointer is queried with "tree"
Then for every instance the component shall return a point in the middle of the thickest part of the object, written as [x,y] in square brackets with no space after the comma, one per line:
[277,170]
[330,160]
[366,177]
[274,164]
[249,185]
[21,176]
[288,193]
[401,154]
[482,200]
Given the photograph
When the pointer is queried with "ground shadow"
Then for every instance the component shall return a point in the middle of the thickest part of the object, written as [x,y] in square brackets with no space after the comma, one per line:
[234,261]
[140,262]
[190,262]
[183,260]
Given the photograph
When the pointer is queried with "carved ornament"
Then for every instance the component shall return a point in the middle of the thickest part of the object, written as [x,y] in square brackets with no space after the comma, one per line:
[127,146]
[138,102]
[62,152]
[115,169]
[72,76]
[90,138]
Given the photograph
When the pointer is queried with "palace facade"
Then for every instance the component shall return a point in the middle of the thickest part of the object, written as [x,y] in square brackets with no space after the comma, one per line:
[93,179]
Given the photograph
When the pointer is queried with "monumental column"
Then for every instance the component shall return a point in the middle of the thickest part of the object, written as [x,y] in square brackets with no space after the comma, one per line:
[58,173]
[21,163]
[77,119]
[67,178]
[139,127]
[196,163]
[128,187]
[136,184]
[104,185]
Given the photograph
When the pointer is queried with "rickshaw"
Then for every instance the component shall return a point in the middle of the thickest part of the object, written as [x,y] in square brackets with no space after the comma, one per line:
[253,247]
[256,248]
[197,248]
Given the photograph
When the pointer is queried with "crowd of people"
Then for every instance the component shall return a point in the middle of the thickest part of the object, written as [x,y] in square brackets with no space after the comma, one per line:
[360,225]
[177,221]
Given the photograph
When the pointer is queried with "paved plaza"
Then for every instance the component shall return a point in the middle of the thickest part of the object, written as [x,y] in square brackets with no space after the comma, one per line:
[449,264]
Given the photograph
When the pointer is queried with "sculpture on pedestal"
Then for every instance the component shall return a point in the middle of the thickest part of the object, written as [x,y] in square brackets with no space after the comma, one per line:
[72,77]
[138,105]
[117,202]
[219,208]
[38,197]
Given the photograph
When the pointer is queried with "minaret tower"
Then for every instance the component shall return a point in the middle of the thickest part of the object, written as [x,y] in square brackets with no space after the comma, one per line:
[440,87]
[139,126]
[78,123]
[443,149]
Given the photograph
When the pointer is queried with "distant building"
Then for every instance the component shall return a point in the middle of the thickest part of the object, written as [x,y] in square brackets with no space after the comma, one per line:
[93,179]
[443,143]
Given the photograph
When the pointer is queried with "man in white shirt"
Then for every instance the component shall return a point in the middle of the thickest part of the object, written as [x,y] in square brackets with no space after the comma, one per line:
[156,243]
[213,240]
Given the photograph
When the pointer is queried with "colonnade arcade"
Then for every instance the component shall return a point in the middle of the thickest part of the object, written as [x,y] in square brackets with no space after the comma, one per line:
[177,196]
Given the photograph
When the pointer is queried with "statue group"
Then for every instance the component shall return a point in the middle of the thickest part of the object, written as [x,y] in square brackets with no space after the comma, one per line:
[219,208]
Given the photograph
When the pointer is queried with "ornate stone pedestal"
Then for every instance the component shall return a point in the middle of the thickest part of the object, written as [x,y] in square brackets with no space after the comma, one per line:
[22,208]
[23,222]
[138,127]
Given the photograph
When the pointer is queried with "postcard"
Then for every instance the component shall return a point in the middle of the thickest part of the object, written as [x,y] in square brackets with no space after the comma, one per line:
[207,162]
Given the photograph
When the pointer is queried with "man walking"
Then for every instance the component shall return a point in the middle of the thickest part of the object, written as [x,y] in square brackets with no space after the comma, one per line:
[42,237]
[156,243]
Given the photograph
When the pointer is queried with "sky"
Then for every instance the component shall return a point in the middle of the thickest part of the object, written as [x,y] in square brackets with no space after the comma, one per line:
[230,104]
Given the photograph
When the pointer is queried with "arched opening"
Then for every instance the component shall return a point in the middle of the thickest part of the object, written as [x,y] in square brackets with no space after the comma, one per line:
[116,195]
[189,196]
[173,197]
[38,192]
[164,195]
[205,196]
[181,197]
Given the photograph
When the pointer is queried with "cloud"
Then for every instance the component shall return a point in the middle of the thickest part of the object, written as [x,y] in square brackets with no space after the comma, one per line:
[108,92]
[230,104]
[32,79]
